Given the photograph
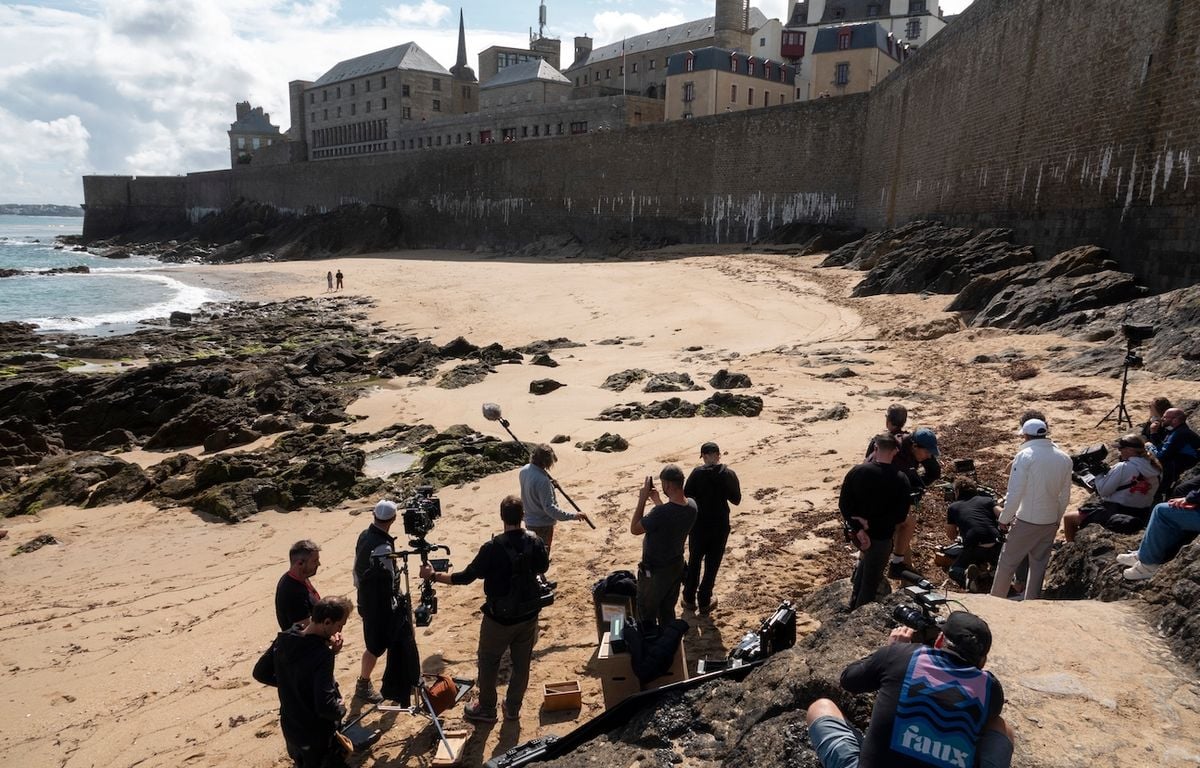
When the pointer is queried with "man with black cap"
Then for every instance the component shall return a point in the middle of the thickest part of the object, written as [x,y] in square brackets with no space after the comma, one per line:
[1039,488]
[374,578]
[935,705]
[713,486]
[874,499]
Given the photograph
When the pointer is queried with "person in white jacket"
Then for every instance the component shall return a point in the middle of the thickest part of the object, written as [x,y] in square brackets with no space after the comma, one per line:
[1039,488]
[1126,492]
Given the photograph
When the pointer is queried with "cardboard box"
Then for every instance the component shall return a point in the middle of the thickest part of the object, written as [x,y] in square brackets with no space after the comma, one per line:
[617,680]
[608,606]
[562,696]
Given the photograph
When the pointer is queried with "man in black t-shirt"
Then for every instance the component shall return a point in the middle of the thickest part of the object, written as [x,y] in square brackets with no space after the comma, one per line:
[874,499]
[295,594]
[713,486]
[509,565]
[666,528]
[975,517]
[935,708]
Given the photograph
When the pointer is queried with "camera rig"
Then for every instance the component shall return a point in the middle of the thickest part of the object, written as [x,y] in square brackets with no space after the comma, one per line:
[1087,464]
[1134,336]
[923,615]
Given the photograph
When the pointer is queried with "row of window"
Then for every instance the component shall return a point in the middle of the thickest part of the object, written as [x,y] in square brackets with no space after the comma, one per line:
[435,84]
[689,65]
[608,73]
[508,59]
[355,133]
[425,142]
[357,149]
[689,95]
[874,9]
[353,110]
[255,142]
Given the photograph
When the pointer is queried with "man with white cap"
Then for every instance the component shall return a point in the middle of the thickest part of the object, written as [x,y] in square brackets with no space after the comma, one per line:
[1039,488]
[374,578]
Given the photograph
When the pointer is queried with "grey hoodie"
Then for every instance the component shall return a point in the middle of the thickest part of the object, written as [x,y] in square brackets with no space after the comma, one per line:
[1130,483]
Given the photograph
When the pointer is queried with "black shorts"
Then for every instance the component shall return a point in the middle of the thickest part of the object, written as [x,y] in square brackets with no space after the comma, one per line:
[377,631]
[1115,517]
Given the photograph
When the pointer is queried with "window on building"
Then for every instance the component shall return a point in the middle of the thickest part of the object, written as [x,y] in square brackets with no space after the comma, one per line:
[733,93]
[255,142]
[436,84]
[339,92]
[383,82]
[404,90]
[312,117]
[750,96]
[750,66]
[844,40]
[406,113]
[524,131]
[872,9]
[241,142]
[339,111]
[560,129]
[733,62]
[437,105]
[577,82]
[508,134]
[466,93]
[651,63]
[368,105]
[687,115]
[797,94]
[689,91]
[312,98]
[621,71]
[841,74]
[351,89]
[913,29]
[535,129]
[367,83]
[324,95]
[766,98]
[767,70]
[608,74]
[762,42]
[439,141]
[383,104]
[689,64]
[838,12]
[635,67]
[579,127]
[585,79]
[781,98]
[918,6]
[326,114]
[420,143]
[353,109]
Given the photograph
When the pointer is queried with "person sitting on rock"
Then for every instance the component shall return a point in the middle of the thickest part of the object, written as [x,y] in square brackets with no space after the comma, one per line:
[1126,492]
[1179,450]
[1172,524]
[973,517]
[1152,430]
[920,719]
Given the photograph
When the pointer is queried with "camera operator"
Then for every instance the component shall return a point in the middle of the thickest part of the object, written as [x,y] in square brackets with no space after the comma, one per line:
[509,565]
[1179,450]
[917,458]
[915,723]
[295,594]
[537,495]
[874,499]
[384,621]
[666,528]
[310,704]
[1126,492]
[974,517]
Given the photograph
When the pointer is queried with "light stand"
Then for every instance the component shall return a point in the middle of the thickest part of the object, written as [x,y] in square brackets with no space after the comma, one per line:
[491,412]
[1134,335]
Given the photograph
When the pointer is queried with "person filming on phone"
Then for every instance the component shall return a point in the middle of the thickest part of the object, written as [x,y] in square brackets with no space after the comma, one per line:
[666,528]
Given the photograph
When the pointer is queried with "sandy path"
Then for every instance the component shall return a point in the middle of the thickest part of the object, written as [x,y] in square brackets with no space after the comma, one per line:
[131,642]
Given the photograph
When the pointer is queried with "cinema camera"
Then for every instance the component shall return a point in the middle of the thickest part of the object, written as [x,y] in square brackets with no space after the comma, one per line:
[1134,335]
[1088,464]
[965,467]
[777,633]
[421,509]
[923,615]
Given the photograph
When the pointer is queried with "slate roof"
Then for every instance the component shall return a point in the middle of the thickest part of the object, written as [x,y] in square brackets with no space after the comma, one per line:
[409,56]
[698,30]
[869,34]
[526,72]
[718,58]
[856,10]
[255,122]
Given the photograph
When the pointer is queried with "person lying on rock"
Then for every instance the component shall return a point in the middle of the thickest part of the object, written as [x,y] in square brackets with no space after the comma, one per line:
[1172,525]
[1126,492]
[936,706]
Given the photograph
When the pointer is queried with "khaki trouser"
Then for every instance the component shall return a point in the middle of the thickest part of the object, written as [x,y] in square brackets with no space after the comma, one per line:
[1025,540]
[494,639]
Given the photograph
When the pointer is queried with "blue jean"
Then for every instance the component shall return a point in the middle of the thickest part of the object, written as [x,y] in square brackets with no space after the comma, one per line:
[1168,530]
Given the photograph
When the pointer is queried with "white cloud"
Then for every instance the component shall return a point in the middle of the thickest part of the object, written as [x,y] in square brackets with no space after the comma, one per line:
[37,154]
[612,26]
[428,14]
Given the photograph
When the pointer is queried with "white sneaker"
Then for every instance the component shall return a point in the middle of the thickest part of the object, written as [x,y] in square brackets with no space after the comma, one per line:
[1140,571]
[1128,559]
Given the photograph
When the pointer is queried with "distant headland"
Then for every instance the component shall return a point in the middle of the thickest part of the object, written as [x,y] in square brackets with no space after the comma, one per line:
[35,209]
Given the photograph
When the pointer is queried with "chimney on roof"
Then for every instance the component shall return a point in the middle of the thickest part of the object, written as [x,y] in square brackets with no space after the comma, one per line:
[243,110]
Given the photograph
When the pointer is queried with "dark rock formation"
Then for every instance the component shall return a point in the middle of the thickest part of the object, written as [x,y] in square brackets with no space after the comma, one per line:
[723,379]
[465,375]
[729,404]
[619,382]
[544,386]
[180,318]
[720,404]
[670,382]
[833,413]
[838,373]
[60,480]
[606,443]
[1022,305]
[544,359]
[548,345]
[36,543]
[560,439]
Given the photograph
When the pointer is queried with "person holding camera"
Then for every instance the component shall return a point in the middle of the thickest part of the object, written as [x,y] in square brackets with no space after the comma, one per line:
[974,518]
[713,486]
[665,527]
[1179,450]
[509,565]
[1039,489]
[310,703]
[375,581]
[1126,492]
[936,706]
[295,594]
[874,500]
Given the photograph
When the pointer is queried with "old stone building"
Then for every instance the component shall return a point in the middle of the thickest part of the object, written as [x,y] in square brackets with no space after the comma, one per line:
[534,82]
[714,80]
[853,58]
[250,133]
[493,60]
[638,65]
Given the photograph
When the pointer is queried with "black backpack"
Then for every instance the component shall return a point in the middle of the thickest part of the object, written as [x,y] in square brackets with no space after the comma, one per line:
[524,593]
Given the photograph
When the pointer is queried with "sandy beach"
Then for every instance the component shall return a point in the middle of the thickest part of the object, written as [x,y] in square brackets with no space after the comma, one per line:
[131,642]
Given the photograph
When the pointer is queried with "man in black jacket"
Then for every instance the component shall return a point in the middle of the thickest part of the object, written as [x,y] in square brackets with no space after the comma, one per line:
[874,500]
[295,594]
[713,486]
[374,579]
[310,704]
[509,565]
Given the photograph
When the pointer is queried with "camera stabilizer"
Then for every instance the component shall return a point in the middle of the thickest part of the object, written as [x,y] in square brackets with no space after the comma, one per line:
[1134,335]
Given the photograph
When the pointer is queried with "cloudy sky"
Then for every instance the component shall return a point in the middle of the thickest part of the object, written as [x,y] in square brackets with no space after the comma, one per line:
[149,86]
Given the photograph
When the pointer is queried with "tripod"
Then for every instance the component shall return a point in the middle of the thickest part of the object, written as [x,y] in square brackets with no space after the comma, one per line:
[1119,412]
[422,615]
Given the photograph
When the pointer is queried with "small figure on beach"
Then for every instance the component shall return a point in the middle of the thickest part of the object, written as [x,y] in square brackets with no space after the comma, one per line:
[329,282]
[339,279]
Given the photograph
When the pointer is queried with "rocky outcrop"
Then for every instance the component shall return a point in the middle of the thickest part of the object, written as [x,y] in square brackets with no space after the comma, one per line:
[670,382]
[544,386]
[720,404]
[619,382]
[606,443]
[60,480]
[723,379]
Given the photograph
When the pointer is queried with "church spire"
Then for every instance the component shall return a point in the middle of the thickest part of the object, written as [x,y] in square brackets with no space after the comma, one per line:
[462,42]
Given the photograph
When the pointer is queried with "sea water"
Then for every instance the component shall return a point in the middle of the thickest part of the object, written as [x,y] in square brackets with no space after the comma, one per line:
[111,299]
